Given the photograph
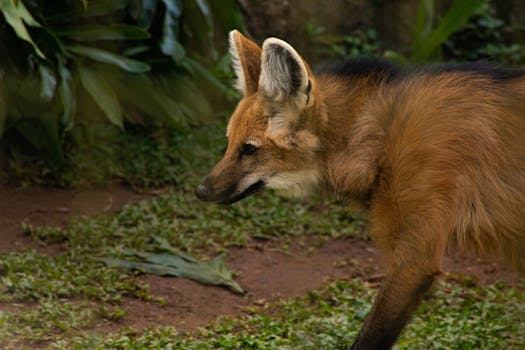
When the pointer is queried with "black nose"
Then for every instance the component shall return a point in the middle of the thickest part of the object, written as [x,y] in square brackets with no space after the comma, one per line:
[202,192]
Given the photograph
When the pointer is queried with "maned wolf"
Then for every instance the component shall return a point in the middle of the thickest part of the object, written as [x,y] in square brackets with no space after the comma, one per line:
[436,154]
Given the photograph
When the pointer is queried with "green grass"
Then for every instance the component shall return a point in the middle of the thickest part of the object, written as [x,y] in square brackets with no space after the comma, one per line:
[44,321]
[456,317]
[51,300]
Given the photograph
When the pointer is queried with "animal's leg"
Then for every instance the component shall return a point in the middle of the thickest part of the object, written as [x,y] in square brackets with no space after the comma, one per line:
[413,264]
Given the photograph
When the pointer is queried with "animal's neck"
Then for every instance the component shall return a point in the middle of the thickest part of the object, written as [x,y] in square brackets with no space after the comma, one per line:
[352,138]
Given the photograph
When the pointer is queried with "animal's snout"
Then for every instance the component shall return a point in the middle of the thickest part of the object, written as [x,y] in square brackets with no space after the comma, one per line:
[202,192]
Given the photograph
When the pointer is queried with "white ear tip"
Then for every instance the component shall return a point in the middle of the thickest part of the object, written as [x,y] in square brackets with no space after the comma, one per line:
[271,40]
[268,43]
[231,36]
[240,82]
[279,42]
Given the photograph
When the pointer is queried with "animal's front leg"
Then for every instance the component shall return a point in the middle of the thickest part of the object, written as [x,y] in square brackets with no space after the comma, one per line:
[399,295]
[414,257]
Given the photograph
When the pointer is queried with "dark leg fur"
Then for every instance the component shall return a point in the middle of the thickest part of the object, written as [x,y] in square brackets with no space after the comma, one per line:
[395,302]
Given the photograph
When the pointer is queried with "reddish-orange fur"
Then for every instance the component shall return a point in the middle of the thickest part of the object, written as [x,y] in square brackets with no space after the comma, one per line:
[437,157]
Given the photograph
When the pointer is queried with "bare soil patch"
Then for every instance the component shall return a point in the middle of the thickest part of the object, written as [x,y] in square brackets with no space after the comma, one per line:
[265,270]
[270,274]
[53,207]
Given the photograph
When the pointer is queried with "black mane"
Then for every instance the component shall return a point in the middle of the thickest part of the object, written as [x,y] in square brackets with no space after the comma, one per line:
[482,68]
[361,67]
[385,70]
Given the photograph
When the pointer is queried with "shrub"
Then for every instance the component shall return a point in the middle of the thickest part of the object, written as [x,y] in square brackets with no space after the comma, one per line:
[71,68]
[484,37]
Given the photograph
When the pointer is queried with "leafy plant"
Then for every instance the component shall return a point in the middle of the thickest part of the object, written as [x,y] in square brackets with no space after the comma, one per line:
[73,64]
[358,43]
[484,37]
[170,261]
[428,38]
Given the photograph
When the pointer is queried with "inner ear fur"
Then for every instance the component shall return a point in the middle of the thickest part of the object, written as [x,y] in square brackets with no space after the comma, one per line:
[246,60]
[286,86]
[284,74]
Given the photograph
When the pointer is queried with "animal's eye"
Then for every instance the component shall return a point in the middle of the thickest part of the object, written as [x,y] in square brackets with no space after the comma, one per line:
[248,149]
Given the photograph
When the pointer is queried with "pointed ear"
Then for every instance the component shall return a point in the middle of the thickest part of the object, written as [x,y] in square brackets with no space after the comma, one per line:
[246,59]
[284,75]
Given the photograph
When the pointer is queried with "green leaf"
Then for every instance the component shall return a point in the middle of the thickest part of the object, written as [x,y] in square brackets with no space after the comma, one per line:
[172,262]
[164,245]
[106,32]
[179,52]
[99,55]
[48,82]
[200,29]
[138,92]
[169,44]
[94,8]
[205,10]
[136,50]
[191,100]
[73,11]
[423,23]
[17,16]
[21,11]
[208,18]
[395,56]
[103,94]
[67,96]
[143,11]
[455,18]
[199,71]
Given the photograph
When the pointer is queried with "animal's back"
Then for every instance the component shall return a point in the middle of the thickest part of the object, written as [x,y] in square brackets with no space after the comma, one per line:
[454,158]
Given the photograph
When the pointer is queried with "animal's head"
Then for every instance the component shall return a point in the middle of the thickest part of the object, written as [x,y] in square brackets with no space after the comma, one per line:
[273,133]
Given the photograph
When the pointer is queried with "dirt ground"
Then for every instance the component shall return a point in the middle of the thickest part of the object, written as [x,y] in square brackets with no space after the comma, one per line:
[264,270]
[43,206]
